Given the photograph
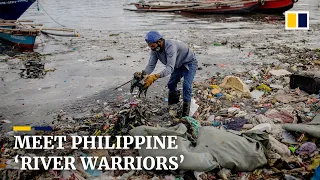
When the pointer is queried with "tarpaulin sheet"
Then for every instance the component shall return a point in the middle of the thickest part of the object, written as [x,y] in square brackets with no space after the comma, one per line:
[214,147]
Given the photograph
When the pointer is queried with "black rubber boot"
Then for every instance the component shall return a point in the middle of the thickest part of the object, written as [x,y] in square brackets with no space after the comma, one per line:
[185,109]
[173,97]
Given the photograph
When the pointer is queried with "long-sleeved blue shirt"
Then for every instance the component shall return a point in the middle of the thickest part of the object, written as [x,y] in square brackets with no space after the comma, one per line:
[174,55]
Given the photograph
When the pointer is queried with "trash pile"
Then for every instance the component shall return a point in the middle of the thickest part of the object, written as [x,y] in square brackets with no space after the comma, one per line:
[32,69]
[263,102]
[30,64]
[108,122]
[260,124]
[291,57]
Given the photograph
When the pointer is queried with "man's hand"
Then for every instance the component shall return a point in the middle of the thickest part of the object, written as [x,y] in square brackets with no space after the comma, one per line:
[150,79]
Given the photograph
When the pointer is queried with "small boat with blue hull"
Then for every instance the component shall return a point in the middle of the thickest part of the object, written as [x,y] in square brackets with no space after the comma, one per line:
[22,36]
[13,9]
[21,40]
[23,33]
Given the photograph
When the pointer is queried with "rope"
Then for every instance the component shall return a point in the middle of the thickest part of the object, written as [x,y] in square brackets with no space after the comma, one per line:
[38,1]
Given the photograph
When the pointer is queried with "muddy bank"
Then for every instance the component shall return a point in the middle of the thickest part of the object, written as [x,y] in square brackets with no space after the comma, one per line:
[80,73]
[258,103]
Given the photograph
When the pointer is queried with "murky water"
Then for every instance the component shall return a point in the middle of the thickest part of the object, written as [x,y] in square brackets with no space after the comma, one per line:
[110,15]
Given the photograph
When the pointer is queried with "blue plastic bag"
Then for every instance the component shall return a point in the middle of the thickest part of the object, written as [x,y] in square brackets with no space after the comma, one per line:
[316,175]
[92,172]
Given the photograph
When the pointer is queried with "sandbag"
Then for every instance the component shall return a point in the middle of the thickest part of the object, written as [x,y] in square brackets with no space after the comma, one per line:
[235,83]
[230,150]
[312,130]
[316,120]
[214,147]
[196,161]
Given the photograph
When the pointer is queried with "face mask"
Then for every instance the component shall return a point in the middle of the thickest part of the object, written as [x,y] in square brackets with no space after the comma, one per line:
[158,48]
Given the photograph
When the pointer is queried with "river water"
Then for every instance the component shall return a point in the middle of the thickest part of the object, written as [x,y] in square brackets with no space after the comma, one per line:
[110,15]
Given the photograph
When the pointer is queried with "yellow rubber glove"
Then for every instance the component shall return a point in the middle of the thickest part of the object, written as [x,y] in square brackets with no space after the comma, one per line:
[150,79]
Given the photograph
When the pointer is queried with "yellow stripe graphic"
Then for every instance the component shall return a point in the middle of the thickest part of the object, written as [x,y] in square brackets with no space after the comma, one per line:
[291,20]
[21,128]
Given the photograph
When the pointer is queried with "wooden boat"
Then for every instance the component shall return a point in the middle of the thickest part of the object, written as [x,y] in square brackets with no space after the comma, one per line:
[21,40]
[227,8]
[275,6]
[163,5]
[268,6]
[19,35]
[236,6]
[23,35]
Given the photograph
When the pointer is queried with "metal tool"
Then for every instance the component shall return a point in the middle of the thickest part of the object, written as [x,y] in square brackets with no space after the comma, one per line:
[122,85]
[136,82]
